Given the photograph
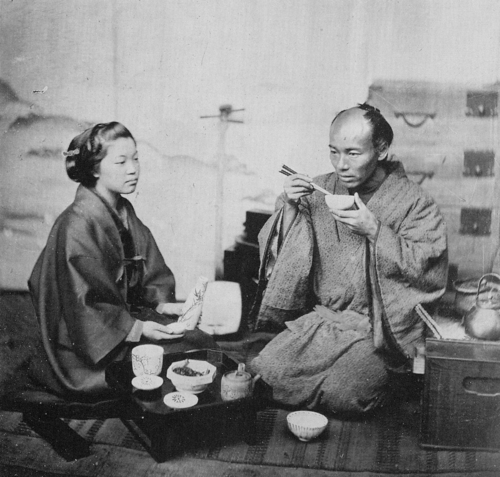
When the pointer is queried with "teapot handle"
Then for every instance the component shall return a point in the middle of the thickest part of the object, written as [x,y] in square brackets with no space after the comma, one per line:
[481,281]
[241,369]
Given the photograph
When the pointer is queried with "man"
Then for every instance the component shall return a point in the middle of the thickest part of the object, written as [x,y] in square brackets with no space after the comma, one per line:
[343,284]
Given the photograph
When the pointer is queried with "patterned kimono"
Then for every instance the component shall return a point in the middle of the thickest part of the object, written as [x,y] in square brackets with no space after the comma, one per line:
[355,301]
[88,279]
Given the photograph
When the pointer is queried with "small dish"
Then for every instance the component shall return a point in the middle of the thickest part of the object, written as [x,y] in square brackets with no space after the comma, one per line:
[179,400]
[147,382]
[176,328]
[172,337]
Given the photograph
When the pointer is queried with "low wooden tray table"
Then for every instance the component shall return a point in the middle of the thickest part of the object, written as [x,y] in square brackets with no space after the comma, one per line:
[163,430]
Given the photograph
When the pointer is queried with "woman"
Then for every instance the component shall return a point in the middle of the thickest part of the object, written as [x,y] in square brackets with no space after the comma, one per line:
[100,265]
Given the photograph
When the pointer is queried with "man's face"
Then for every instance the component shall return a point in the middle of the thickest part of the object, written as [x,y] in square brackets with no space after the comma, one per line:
[351,148]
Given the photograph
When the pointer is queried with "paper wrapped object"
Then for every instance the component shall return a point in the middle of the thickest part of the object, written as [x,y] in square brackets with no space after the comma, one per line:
[191,311]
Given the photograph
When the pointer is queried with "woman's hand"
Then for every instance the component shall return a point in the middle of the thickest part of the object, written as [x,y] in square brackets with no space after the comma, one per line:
[297,186]
[361,221]
[154,331]
[171,309]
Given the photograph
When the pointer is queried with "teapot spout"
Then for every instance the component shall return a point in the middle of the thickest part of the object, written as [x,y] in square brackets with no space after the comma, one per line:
[256,378]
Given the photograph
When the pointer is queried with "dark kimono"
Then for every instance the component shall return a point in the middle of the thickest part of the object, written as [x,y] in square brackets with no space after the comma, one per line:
[83,285]
[346,307]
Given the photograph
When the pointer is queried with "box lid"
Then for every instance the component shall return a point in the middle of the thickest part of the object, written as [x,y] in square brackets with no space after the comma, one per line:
[474,350]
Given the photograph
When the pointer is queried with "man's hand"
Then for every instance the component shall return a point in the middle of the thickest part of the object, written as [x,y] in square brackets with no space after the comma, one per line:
[297,186]
[154,331]
[361,221]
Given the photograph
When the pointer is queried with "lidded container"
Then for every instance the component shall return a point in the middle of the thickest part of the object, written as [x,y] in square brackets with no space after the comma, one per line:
[237,384]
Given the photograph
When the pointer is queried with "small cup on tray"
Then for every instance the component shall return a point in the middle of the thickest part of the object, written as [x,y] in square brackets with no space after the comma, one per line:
[147,362]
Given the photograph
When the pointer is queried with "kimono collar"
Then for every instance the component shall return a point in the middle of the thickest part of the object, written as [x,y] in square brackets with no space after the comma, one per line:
[120,216]
[370,186]
[126,237]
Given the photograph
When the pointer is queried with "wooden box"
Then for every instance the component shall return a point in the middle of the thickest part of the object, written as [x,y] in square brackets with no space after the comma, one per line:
[461,399]
[255,220]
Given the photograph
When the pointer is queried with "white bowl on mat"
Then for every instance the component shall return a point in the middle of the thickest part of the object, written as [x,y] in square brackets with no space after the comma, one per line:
[192,384]
[306,425]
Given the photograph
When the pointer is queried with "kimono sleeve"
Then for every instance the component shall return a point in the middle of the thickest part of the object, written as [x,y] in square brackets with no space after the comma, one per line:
[409,265]
[94,310]
[415,251]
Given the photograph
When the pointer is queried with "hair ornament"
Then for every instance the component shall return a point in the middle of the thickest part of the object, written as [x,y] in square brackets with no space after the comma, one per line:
[73,152]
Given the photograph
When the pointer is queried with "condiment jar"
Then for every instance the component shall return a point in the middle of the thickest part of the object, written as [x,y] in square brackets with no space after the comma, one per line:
[237,384]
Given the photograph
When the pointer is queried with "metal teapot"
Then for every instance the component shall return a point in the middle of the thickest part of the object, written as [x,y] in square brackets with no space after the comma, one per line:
[482,321]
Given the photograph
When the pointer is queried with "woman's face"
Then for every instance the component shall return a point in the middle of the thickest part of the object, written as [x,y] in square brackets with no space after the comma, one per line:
[118,172]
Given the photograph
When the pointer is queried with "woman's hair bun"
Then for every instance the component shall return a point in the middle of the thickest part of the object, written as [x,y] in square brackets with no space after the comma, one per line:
[89,148]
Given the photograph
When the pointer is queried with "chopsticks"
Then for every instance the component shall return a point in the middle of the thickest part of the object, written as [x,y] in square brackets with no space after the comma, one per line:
[429,321]
[288,171]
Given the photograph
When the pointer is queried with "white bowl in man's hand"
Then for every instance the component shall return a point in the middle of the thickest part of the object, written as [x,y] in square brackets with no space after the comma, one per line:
[339,202]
